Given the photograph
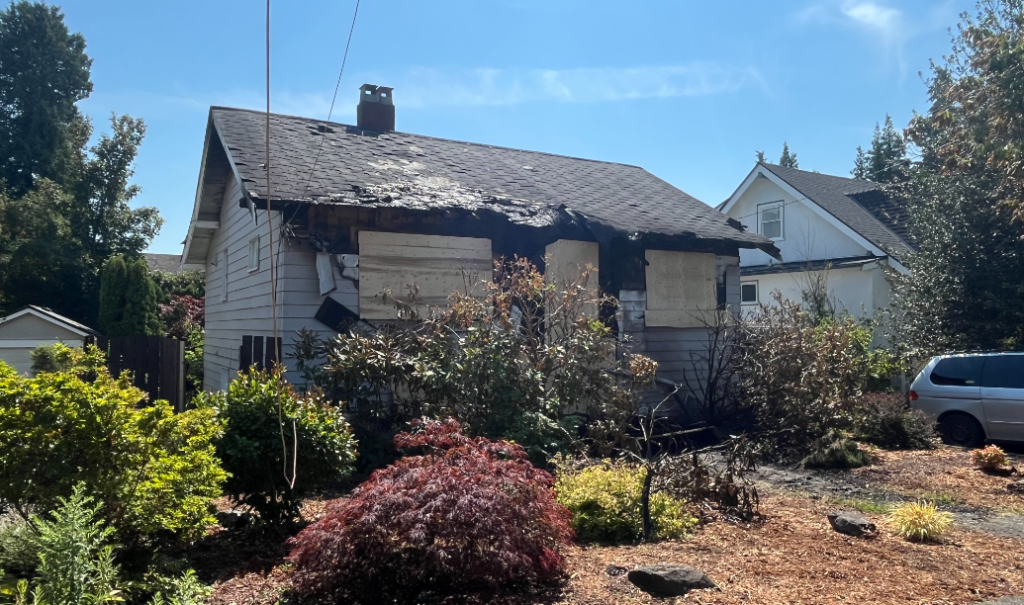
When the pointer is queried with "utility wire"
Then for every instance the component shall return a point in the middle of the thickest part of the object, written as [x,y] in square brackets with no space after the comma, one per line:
[330,112]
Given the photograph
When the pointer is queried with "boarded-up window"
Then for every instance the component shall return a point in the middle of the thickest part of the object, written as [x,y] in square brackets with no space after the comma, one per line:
[434,266]
[681,288]
[567,260]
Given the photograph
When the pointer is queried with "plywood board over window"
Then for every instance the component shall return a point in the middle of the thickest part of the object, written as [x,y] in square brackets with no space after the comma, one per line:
[435,265]
[567,261]
[682,288]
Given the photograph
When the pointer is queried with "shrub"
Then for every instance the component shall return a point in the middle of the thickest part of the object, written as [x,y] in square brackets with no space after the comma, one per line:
[837,452]
[920,521]
[154,473]
[990,458]
[802,376]
[76,562]
[509,363]
[605,504]
[18,550]
[885,420]
[468,514]
[277,446]
[76,558]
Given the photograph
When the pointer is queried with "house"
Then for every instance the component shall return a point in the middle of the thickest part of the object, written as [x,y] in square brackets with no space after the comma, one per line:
[837,234]
[357,210]
[31,327]
[167,263]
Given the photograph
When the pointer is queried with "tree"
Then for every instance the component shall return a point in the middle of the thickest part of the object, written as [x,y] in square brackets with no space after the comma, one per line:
[963,194]
[65,205]
[976,98]
[44,72]
[760,157]
[787,158]
[886,161]
[128,299]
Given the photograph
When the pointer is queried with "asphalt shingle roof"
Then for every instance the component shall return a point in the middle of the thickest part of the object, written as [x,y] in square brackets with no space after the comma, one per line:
[171,263]
[860,205]
[395,169]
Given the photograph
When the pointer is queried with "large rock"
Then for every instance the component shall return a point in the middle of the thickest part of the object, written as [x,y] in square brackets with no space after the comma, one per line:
[1017,487]
[851,524]
[669,580]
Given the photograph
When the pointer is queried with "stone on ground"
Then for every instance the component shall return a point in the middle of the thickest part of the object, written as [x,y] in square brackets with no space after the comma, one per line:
[1005,601]
[851,524]
[1016,487]
[669,580]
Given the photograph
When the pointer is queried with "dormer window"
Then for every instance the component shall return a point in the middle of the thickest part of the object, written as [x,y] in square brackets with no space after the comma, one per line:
[770,220]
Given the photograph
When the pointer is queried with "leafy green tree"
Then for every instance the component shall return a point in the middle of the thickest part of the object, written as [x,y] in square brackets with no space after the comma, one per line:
[977,94]
[788,159]
[886,161]
[65,206]
[128,299]
[44,72]
[965,285]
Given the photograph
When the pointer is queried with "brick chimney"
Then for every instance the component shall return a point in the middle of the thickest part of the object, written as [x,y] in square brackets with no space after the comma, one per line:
[376,109]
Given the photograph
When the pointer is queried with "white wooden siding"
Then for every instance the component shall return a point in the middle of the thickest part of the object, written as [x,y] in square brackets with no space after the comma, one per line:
[246,309]
[436,265]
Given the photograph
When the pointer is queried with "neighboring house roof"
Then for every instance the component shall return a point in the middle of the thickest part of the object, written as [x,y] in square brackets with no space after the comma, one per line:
[170,263]
[364,168]
[49,315]
[860,205]
[815,265]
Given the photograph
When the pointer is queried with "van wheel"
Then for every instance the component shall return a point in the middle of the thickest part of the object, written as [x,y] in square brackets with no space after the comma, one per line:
[961,429]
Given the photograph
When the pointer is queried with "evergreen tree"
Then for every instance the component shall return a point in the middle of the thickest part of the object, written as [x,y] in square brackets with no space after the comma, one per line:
[886,161]
[860,165]
[760,156]
[113,286]
[788,159]
[44,72]
[128,299]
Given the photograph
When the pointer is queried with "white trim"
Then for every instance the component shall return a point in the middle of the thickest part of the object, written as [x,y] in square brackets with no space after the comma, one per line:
[192,226]
[31,344]
[31,311]
[779,205]
[254,255]
[761,170]
[207,224]
[757,292]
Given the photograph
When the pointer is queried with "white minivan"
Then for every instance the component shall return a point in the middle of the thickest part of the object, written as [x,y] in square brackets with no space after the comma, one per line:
[973,397]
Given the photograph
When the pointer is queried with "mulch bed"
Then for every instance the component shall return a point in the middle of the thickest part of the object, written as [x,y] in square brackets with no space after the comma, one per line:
[790,556]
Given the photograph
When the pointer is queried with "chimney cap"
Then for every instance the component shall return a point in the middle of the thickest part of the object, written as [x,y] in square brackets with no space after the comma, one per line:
[376,109]
[371,93]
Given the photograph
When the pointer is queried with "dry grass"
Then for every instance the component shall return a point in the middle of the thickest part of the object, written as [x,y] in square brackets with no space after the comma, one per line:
[947,472]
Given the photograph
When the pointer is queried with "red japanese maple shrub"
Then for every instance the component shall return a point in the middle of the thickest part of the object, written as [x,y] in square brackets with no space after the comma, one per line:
[467,514]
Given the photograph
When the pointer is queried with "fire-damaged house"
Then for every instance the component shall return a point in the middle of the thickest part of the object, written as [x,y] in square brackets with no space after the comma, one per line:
[356,211]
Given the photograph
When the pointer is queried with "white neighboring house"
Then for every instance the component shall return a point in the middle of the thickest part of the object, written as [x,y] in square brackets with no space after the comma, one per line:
[840,230]
[33,326]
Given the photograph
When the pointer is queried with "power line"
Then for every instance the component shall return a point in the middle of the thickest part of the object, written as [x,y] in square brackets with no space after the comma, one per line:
[330,112]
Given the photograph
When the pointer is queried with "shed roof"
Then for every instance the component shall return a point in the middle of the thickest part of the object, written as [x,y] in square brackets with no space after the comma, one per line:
[170,263]
[358,167]
[52,316]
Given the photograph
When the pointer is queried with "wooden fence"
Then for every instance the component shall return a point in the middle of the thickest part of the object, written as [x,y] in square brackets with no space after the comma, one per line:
[157,364]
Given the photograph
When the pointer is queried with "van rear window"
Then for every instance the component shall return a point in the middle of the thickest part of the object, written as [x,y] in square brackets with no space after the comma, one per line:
[958,371]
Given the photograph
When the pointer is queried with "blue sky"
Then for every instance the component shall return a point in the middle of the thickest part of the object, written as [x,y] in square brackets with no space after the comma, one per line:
[688,90]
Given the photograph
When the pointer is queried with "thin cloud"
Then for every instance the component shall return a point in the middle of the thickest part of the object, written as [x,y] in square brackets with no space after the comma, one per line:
[888,25]
[435,87]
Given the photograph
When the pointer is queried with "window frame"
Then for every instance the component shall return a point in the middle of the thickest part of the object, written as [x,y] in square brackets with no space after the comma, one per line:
[757,292]
[254,257]
[776,205]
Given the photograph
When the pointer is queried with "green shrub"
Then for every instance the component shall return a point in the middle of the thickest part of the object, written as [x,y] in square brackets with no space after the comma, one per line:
[18,550]
[153,473]
[605,504]
[76,556]
[885,420]
[837,452]
[277,445]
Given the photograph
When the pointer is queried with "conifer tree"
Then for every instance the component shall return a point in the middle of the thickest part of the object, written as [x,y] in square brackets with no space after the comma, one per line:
[860,165]
[128,299]
[787,158]
[112,288]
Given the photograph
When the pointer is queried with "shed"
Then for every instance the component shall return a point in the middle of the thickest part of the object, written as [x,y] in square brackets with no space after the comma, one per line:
[31,327]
